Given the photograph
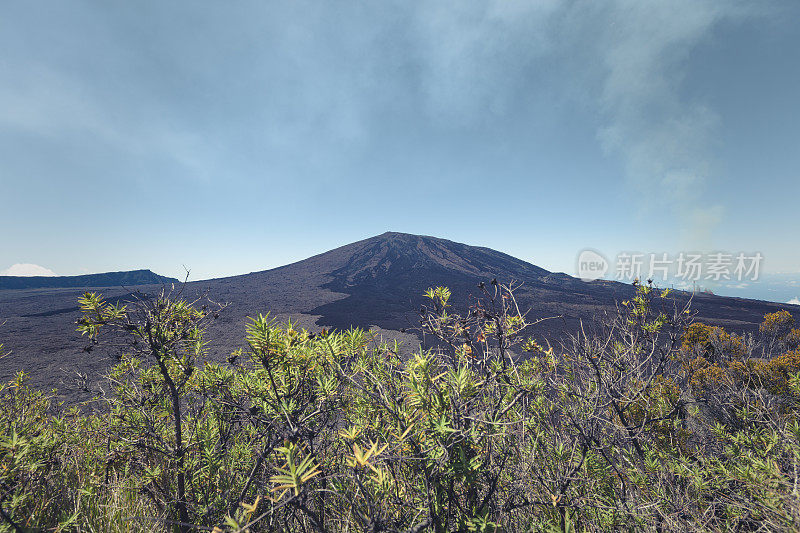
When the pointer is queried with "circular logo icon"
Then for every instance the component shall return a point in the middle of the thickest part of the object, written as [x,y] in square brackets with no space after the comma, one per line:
[591,265]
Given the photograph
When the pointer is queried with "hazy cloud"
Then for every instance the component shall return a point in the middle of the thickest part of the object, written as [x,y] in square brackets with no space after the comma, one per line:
[475,59]
[663,138]
[629,56]
[50,103]
[309,83]
[794,301]
[281,108]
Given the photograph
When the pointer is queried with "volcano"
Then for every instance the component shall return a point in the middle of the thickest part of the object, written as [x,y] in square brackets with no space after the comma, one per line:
[374,283]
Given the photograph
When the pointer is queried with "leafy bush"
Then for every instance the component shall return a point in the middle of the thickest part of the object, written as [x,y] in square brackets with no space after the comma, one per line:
[651,423]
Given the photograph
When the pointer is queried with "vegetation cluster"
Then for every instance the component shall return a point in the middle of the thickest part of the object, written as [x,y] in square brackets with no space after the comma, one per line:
[648,422]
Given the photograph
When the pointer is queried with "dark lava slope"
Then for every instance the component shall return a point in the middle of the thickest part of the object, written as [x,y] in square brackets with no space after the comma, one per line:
[376,282]
[380,281]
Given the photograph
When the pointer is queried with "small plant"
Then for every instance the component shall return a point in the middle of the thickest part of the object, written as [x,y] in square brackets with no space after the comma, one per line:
[649,422]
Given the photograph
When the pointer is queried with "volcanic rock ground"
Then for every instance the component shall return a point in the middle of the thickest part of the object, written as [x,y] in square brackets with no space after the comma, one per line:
[376,282]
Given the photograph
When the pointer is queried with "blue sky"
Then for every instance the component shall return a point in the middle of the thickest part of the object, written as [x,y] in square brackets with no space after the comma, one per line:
[232,137]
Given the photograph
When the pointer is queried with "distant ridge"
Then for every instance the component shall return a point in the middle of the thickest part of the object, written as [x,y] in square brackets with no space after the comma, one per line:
[106,279]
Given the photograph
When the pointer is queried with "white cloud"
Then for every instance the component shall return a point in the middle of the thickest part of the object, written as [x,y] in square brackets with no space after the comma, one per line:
[794,301]
[27,269]
[738,285]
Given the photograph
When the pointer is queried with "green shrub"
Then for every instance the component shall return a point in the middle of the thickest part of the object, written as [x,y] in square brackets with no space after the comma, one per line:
[624,429]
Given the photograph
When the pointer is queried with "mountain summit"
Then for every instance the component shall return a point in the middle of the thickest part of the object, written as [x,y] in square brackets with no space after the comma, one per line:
[379,281]
[376,282]
[393,257]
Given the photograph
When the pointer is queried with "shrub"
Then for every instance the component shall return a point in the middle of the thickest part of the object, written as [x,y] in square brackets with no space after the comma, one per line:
[777,331]
[487,431]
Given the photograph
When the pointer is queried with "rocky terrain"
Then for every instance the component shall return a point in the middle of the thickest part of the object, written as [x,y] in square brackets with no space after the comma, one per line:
[376,282]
